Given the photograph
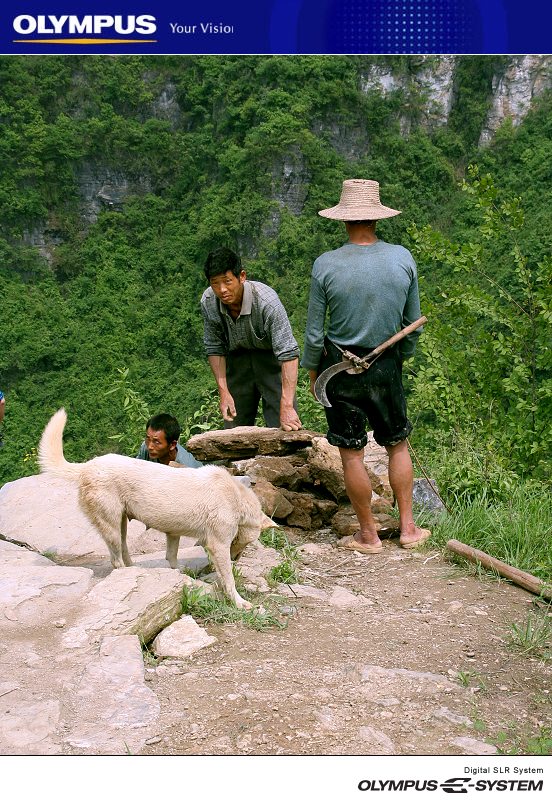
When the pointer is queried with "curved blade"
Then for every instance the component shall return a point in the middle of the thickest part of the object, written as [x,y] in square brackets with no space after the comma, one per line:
[323,379]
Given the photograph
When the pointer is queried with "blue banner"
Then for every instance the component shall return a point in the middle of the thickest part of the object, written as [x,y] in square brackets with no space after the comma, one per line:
[276,26]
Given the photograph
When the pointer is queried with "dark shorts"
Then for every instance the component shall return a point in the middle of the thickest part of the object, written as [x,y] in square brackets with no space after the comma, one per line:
[375,398]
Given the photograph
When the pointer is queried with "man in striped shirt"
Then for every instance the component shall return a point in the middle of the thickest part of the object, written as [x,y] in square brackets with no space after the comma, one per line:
[250,346]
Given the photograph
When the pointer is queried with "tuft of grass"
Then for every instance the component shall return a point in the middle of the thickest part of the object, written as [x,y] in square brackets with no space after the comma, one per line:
[286,572]
[50,554]
[211,610]
[516,531]
[533,637]
[191,573]
[150,660]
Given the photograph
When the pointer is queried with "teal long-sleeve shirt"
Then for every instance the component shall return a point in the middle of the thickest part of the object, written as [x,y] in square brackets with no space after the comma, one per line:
[370,293]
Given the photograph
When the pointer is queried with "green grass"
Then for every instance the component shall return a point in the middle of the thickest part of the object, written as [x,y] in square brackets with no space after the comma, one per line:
[286,572]
[277,539]
[511,741]
[208,609]
[51,555]
[517,531]
[533,637]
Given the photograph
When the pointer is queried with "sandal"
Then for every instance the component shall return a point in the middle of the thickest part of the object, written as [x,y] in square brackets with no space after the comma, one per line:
[350,543]
[423,538]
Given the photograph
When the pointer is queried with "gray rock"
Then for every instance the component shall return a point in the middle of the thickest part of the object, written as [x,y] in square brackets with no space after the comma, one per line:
[115,706]
[132,600]
[302,590]
[378,682]
[525,78]
[374,742]
[424,495]
[345,599]
[476,747]
[183,638]
[445,714]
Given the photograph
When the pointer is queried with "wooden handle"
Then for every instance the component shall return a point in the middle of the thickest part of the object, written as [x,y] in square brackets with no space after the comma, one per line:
[519,577]
[397,337]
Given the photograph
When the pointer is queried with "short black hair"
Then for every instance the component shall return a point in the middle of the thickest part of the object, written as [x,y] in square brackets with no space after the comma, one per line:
[361,223]
[220,261]
[167,423]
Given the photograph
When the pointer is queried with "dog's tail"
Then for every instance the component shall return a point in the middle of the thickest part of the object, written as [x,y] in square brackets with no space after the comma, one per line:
[50,450]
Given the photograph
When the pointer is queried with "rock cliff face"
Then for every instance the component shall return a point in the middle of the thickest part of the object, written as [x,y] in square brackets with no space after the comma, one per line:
[525,78]
[426,87]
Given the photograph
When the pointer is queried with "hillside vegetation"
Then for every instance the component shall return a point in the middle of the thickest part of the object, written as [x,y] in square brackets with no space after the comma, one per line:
[244,151]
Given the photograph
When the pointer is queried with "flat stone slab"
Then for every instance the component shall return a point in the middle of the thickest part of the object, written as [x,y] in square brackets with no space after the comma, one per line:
[131,600]
[246,442]
[475,747]
[378,682]
[181,639]
[193,558]
[115,705]
[29,723]
[34,591]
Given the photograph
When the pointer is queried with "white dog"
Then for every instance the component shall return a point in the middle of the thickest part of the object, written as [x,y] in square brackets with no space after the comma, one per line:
[206,503]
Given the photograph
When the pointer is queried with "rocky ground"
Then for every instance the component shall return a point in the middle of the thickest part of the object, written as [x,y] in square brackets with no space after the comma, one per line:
[413,658]
[399,653]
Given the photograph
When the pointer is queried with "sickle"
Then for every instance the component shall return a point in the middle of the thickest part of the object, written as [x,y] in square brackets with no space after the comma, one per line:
[362,363]
[322,380]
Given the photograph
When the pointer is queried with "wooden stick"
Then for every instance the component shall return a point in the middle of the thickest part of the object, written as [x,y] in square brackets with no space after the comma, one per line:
[519,577]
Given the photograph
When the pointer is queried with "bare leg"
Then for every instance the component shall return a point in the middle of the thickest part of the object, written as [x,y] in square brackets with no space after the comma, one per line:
[359,490]
[401,477]
[172,550]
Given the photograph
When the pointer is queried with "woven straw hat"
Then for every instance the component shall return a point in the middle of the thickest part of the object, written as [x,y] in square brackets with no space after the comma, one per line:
[359,201]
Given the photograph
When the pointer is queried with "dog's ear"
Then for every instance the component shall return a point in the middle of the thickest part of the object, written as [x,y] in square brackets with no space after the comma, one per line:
[267,522]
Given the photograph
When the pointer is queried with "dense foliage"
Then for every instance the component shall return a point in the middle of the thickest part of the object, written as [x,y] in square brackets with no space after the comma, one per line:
[244,151]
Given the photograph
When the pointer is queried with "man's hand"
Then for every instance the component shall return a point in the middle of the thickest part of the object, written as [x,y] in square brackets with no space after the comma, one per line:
[227,406]
[289,418]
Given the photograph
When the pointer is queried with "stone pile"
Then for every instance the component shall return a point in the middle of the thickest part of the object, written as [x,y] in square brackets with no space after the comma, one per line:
[298,476]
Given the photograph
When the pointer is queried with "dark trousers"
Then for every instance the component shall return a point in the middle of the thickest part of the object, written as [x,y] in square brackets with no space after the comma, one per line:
[254,375]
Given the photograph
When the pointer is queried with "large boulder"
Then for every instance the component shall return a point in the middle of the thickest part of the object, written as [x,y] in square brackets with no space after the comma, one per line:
[43,512]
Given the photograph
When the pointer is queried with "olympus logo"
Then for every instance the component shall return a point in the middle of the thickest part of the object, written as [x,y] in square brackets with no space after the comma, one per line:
[69,24]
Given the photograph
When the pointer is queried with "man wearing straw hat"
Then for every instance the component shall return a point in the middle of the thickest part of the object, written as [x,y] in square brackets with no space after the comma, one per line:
[370,289]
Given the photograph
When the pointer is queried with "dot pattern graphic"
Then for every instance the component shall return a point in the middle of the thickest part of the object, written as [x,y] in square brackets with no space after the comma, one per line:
[404,26]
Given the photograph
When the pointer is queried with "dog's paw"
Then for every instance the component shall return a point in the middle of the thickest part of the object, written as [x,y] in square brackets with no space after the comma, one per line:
[245,605]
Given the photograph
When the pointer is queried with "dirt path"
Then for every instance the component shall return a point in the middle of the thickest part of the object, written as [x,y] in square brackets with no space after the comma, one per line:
[422,665]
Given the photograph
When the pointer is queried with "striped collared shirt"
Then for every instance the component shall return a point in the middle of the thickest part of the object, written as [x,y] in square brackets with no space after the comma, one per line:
[261,324]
